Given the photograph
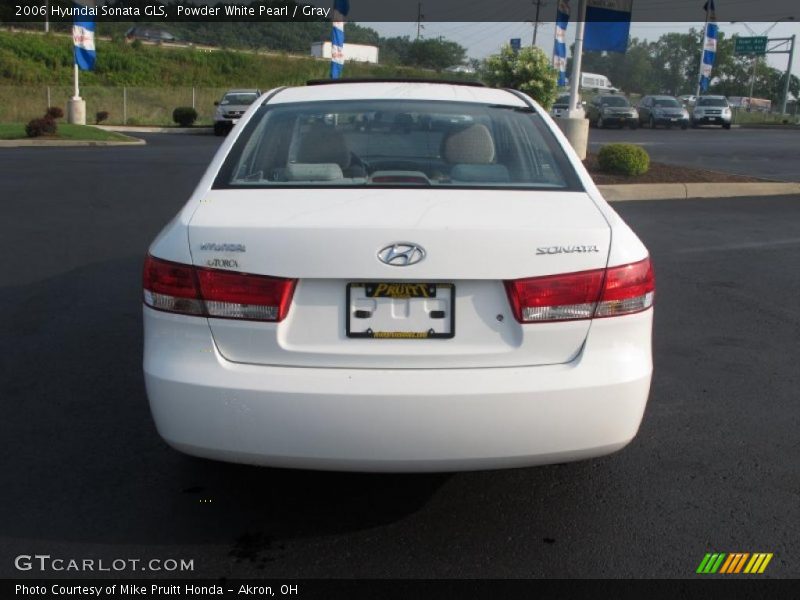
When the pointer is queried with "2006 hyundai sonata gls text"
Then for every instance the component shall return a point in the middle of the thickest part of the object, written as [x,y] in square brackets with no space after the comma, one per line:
[397,276]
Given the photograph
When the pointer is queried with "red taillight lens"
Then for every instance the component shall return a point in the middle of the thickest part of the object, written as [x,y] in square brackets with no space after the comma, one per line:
[555,297]
[599,293]
[628,289]
[185,289]
[171,286]
[242,296]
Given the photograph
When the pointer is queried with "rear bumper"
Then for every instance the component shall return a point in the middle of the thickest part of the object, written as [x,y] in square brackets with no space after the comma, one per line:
[396,419]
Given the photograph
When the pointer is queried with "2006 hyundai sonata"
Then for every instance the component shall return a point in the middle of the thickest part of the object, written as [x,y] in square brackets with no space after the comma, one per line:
[397,276]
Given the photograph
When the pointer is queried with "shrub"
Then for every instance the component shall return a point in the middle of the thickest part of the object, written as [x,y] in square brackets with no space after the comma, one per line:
[623,159]
[40,126]
[528,70]
[101,116]
[54,112]
[185,116]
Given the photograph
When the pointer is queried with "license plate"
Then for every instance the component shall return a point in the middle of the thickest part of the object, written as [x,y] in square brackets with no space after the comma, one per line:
[399,310]
[673,119]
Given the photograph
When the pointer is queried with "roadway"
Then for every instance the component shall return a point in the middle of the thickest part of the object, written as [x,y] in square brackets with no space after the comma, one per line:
[86,475]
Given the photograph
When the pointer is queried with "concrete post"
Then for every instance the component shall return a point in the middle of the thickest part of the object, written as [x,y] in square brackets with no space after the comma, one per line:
[76,106]
[76,111]
[577,132]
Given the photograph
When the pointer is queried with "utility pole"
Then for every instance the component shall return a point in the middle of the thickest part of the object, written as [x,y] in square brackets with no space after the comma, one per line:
[788,76]
[575,108]
[539,4]
[420,16]
[752,83]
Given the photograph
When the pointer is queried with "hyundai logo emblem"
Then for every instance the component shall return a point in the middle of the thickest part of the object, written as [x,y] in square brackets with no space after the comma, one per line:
[401,254]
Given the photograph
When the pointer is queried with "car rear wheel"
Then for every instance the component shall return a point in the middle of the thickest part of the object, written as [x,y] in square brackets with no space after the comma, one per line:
[634,125]
[727,126]
[219,128]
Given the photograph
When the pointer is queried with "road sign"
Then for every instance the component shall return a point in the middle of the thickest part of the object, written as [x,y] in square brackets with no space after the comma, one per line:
[516,44]
[751,45]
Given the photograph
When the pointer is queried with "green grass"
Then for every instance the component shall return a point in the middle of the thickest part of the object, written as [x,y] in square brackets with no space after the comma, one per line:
[66,131]
[30,59]
[157,79]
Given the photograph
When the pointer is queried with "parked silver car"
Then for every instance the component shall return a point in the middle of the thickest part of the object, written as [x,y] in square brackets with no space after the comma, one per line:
[712,110]
[231,108]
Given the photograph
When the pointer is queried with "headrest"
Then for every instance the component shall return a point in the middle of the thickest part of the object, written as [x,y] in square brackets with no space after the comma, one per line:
[473,145]
[322,144]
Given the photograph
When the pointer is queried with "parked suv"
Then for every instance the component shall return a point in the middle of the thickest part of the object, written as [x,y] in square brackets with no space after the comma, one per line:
[397,276]
[611,109]
[560,107]
[712,110]
[663,110]
[231,108]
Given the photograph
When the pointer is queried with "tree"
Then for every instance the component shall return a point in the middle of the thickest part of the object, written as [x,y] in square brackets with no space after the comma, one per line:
[434,53]
[528,70]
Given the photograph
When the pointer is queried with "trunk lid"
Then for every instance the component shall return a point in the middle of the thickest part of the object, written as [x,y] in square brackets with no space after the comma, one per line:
[329,238]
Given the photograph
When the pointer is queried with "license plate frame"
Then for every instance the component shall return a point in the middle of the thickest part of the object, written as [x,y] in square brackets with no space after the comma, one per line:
[450,317]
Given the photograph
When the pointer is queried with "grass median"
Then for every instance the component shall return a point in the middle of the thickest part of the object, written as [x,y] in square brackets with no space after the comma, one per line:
[66,131]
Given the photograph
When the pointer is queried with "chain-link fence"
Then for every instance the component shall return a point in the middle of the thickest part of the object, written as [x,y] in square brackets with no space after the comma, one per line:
[124,105]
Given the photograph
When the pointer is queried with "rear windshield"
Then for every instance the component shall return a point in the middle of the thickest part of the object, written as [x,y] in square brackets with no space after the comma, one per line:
[239,99]
[667,103]
[712,102]
[614,101]
[396,144]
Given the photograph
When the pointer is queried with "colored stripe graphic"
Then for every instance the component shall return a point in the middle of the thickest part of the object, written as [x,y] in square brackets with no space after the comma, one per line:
[734,563]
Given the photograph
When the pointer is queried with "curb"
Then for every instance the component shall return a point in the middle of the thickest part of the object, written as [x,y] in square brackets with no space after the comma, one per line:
[136,129]
[685,191]
[67,143]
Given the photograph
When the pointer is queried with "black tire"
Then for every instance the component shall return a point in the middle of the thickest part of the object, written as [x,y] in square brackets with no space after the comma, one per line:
[652,122]
[694,125]
[726,126]
[634,124]
[684,126]
[220,129]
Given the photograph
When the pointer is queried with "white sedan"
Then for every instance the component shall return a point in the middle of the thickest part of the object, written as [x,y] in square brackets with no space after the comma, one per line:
[397,276]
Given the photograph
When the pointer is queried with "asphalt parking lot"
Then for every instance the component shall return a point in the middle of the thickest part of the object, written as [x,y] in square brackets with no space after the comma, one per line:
[767,153]
[714,467]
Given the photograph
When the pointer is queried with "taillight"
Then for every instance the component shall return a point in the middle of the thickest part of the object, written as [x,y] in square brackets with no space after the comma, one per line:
[598,293]
[171,286]
[627,289]
[242,296]
[185,289]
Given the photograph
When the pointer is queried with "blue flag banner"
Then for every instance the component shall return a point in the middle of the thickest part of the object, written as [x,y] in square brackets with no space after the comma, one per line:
[560,45]
[340,10]
[608,25]
[709,46]
[83,28]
